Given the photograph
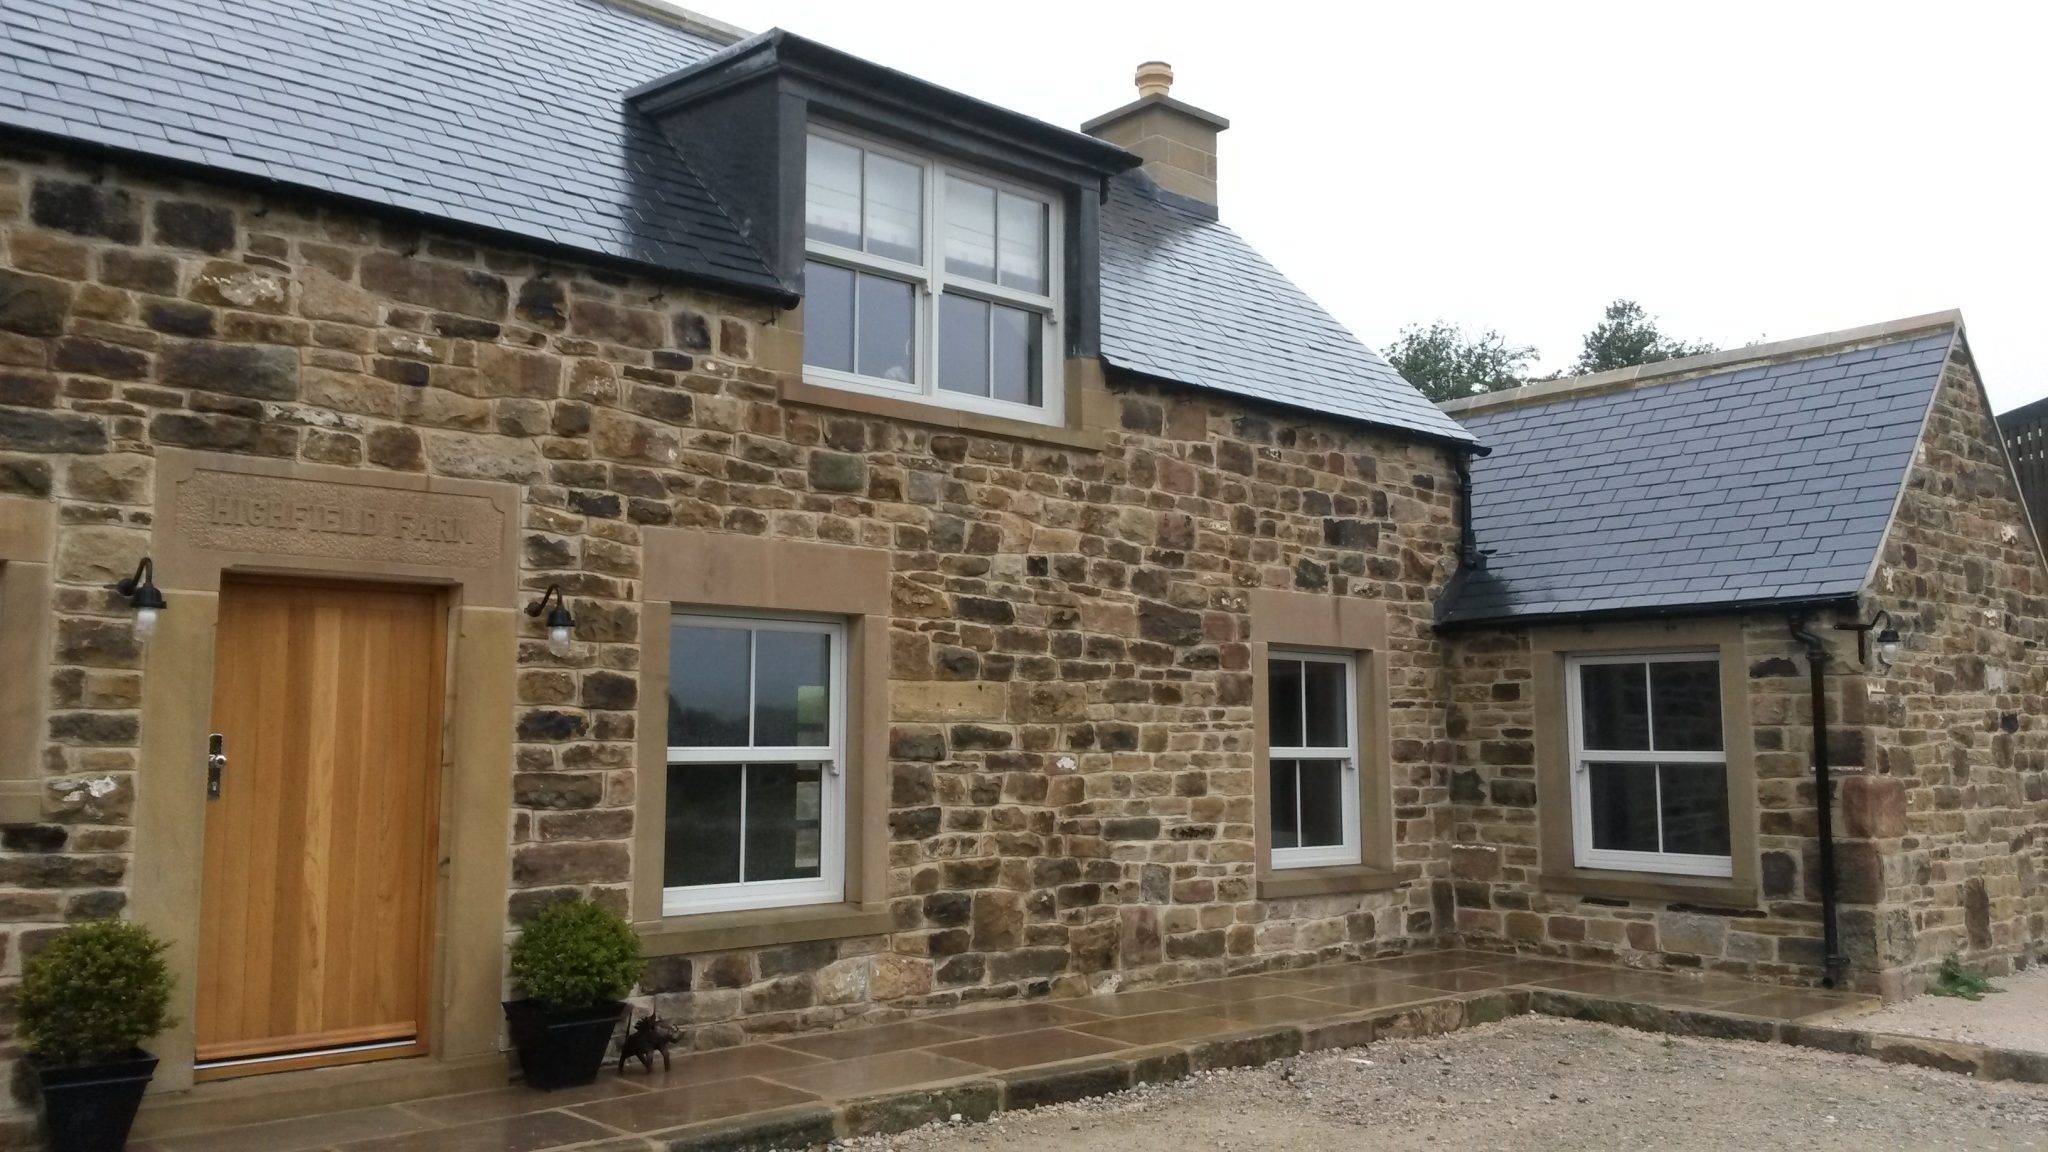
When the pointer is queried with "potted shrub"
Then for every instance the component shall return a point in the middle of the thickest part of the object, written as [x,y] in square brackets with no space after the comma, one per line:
[86,1001]
[573,965]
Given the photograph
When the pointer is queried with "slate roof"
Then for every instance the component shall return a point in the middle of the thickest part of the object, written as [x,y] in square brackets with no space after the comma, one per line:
[1765,483]
[504,114]
[509,115]
[1185,298]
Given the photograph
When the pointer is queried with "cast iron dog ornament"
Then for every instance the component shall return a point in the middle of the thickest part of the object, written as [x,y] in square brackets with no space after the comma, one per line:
[649,1036]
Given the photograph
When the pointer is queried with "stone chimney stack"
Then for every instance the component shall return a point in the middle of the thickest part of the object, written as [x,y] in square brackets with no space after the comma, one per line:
[1177,141]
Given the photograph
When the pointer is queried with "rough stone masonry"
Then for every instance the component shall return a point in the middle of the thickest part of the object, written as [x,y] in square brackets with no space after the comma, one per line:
[1102,593]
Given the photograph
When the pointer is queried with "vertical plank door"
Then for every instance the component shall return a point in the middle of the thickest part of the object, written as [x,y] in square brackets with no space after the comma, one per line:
[314,926]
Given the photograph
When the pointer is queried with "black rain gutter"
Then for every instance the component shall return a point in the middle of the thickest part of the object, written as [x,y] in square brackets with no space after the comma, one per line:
[1832,961]
[1649,612]
[1469,555]
[772,292]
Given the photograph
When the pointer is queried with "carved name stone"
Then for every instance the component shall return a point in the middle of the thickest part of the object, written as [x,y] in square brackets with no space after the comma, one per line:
[277,514]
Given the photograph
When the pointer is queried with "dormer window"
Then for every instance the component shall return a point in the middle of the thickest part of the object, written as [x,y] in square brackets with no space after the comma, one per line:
[928,280]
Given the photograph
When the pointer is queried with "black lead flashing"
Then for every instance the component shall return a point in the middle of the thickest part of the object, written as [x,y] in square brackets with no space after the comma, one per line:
[887,100]
[741,117]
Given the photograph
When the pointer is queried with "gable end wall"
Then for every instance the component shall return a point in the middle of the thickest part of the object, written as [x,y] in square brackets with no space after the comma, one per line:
[1960,724]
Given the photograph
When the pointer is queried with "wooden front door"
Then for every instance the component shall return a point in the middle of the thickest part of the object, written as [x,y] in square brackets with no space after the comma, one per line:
[314,935]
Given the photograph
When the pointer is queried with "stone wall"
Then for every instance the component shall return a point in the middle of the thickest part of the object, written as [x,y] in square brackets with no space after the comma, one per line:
[1960,725]
[137,312]
[1496,859]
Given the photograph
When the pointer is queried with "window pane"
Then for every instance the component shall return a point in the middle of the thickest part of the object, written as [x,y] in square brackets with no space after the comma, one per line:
[1286,833]
[895,209]
[1328,719]
[702,843]
[886,329]
[1615,707]
[1624,806]
[707,687]
[1022,230]
[1283,703]
[792,682]
[1687,699]
[1695,800]
[832,192]
[970,230]
[828,316]
[963,344]
[1019,357]
[783,821]
[1322,802]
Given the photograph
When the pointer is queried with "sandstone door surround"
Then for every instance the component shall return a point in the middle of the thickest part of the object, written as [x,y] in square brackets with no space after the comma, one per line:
[220,514]
[216,512]
[27,537]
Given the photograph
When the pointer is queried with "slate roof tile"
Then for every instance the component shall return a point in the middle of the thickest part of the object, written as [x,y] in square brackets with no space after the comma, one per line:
[500,113]
[1185,298]
[1635,500]
[508,114]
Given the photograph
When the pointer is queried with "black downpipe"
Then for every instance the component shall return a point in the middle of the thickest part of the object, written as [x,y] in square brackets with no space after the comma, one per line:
[1832,961]
[1469,555]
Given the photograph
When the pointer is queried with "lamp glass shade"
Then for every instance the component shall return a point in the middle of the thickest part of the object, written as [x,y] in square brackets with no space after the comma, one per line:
[558,639]
[145,623]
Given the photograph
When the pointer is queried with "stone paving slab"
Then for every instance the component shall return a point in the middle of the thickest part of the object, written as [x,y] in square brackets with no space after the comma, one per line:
[977,1061]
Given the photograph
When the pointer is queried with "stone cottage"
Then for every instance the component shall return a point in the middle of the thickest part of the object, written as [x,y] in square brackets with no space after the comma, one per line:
[1705,585]
[897,551]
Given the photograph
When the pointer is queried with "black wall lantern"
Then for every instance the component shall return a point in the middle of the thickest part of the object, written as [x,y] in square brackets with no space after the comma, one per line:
[140,590]
[558,620]
[1886,638]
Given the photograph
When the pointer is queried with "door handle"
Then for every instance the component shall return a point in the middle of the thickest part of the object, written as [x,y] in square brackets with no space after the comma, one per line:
[216,764]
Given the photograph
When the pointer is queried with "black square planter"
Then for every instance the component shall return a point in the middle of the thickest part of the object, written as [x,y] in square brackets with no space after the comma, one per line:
[561,1048]
[91,1107]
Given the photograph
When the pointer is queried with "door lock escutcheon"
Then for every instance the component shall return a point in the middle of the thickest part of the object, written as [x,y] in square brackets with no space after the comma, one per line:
[216,764]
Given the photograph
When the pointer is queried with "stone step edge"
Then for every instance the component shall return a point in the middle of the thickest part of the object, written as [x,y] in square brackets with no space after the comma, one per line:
[980,1097]
[1984,1061]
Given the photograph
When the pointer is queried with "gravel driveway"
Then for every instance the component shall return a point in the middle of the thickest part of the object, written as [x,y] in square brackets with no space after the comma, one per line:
[2016,1016]
[1529,1083]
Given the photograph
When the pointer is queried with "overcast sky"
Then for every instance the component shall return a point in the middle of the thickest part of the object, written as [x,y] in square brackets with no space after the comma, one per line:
[1745,171]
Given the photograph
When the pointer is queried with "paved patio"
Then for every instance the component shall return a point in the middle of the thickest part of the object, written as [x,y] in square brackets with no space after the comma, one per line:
[979,1060]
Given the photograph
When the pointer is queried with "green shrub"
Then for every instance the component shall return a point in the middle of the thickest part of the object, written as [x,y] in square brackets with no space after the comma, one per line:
[1952,979]
[94,992]
[576,954]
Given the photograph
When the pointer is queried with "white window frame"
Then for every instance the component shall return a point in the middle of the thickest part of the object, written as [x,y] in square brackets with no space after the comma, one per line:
[829,886]
[1351,850]
[930,281]
[1584,854]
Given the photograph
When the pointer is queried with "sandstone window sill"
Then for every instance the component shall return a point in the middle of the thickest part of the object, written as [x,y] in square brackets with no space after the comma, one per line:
[758,928]
[1713,891]
[1337,881]
[823,396]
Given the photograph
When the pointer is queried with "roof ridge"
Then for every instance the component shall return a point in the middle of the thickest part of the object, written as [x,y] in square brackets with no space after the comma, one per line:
[688,19]
[1709,363]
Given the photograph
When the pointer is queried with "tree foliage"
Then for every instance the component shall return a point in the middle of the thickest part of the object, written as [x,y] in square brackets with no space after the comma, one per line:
[1627,336]
[1445,363]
